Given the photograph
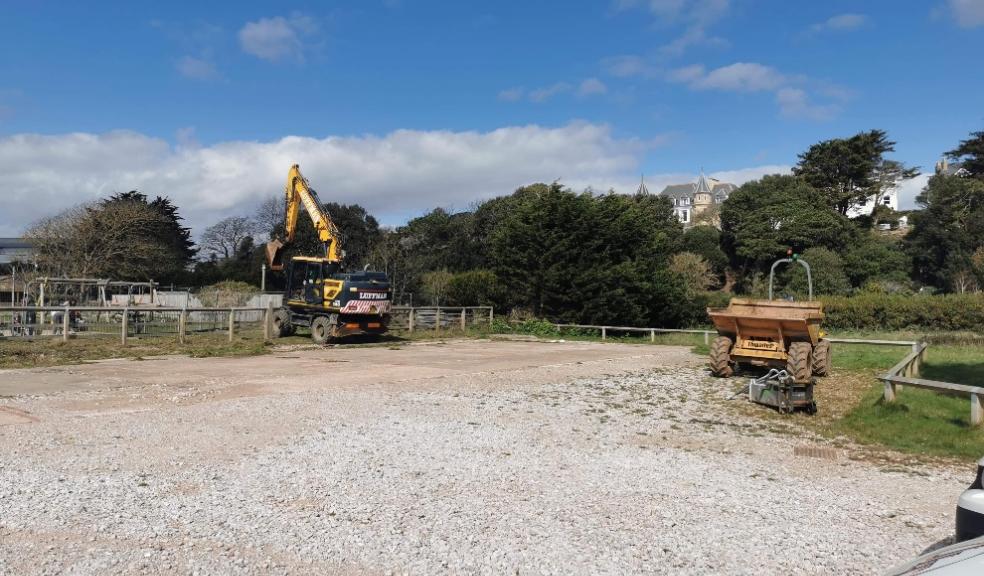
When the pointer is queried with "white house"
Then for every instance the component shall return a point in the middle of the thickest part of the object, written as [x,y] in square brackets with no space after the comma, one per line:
[888,198]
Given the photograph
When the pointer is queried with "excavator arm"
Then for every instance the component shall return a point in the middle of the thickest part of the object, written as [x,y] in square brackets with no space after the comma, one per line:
[298,192]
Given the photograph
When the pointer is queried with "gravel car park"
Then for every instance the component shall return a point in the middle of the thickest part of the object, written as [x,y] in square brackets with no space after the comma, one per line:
[484,457]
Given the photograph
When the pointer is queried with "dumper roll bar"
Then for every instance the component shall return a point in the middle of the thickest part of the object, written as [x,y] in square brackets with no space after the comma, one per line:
[809,275]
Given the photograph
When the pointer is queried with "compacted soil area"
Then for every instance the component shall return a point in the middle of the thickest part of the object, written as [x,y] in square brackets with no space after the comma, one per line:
[461,457]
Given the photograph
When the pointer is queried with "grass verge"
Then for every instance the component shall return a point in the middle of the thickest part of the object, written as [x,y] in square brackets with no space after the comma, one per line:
[921,422]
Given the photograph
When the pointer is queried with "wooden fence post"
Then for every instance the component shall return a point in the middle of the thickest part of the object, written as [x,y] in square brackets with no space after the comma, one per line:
[707,336]
[232,323]
[268,321]
[65,324]
[604,333]
[491,315]
[464,312]
[889,391]
[652,335]
[976,411]
[182,325]
[437,320]
[124,326]
[410,320]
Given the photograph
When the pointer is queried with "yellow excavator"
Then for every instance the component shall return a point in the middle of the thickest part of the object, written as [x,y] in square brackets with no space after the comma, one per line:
[319,293]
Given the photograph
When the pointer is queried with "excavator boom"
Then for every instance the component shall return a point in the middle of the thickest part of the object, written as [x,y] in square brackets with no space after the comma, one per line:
[297,193]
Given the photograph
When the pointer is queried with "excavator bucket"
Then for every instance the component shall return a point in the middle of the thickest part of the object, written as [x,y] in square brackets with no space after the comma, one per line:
[275,254]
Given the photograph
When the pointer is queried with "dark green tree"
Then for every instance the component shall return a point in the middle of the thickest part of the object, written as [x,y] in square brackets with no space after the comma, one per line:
[827,269]
[162,247]
[971,153]
[947,231]
[874,258]
[849,171]
[706,241]
[764,218]
[583,258]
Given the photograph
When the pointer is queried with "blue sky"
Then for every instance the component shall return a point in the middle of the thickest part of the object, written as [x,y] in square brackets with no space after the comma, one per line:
[403,105]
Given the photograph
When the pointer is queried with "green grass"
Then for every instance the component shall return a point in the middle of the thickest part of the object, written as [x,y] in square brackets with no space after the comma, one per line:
[919,422]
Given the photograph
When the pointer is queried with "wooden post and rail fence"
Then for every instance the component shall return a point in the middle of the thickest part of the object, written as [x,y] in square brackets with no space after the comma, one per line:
[129,321]
[60,322]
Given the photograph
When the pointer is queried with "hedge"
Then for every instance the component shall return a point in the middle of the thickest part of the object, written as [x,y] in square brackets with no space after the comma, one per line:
[897,312]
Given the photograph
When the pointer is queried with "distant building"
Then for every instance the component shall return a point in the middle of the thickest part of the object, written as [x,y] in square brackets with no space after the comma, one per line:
[947,168]
[15,250]
[888,198]
[692,200]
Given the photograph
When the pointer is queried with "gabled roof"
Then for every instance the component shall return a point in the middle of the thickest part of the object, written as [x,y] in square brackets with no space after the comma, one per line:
[678,191]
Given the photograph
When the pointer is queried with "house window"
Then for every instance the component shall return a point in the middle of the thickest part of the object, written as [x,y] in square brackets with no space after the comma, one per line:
[686,215]
[887,200]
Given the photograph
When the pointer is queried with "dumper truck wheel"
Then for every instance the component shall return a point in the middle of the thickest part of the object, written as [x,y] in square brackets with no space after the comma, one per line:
[321,330]
[799,363]
[281,324]
[720,360]
[821,358]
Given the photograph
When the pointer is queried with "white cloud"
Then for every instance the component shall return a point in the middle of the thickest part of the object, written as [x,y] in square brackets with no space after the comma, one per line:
[841,22]
[687,74]
[737,77]
[543,94]
[404,172]
[511,94]
[277,38]
[591,86]
[196,68]
[795,103]
[694,17]
[967,13]
[792,98]
[628,65]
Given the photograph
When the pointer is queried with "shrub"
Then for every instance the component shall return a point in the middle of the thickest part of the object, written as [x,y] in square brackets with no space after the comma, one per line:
[874,311]
[472,288]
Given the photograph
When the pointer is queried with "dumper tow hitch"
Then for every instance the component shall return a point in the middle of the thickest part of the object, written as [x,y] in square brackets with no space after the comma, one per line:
[778,389]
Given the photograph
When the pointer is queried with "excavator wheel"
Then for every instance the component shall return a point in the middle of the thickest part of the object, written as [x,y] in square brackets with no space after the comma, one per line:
[282,326]
[322,330]
[821,358]
[720,360]
[799,363]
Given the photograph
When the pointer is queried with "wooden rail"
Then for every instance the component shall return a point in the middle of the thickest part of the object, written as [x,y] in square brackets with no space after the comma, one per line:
[651,331]
[905,374]
[63,326]
[438,317]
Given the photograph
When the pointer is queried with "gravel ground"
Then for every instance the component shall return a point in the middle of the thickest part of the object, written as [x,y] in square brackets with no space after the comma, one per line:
[467,458]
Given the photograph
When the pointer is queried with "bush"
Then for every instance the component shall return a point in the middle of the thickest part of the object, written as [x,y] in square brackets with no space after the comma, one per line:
[473,288]
[531,326]
[874,311]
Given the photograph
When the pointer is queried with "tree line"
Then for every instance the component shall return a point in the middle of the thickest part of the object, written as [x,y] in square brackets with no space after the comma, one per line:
[581,256]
